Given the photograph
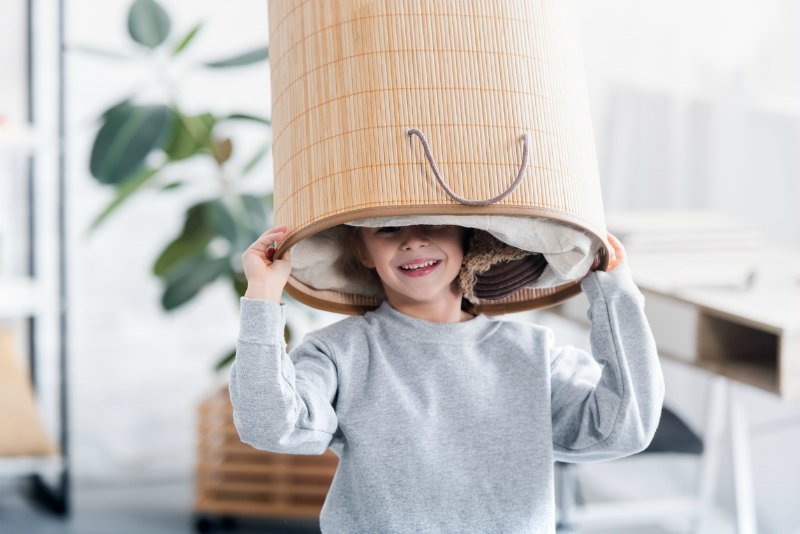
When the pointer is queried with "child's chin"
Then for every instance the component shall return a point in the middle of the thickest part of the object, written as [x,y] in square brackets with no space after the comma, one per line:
[425,296]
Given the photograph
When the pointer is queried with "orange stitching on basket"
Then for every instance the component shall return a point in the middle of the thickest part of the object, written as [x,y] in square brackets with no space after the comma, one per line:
[338,60]
[401,164]
[405,203]
[274,66]
[493,164]
[397,89]
[438,125]
[297,6]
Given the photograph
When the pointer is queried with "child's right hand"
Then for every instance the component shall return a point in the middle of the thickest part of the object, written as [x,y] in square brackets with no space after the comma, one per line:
[266,276]
[618,255]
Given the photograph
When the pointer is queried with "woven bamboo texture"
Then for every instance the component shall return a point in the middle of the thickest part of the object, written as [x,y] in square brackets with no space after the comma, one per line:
[234,479]
[350,78]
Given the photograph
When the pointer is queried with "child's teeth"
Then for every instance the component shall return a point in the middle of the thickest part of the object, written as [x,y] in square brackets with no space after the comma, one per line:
[420,266]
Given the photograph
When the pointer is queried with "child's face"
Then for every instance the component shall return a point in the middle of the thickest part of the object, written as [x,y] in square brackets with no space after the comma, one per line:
[391,250]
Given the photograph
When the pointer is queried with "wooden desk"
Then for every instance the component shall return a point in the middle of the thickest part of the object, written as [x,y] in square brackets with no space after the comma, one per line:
[748,334]
[751,335]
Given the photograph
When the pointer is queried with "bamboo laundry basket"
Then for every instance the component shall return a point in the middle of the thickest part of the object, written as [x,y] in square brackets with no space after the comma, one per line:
[413,108]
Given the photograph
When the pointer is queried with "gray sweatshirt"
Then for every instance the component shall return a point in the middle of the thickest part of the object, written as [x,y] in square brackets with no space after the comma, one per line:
[449,427]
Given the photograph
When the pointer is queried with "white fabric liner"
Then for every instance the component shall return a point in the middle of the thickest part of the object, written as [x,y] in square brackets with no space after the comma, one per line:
[569,251]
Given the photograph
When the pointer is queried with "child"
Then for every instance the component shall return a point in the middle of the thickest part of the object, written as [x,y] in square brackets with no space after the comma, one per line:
[442,421]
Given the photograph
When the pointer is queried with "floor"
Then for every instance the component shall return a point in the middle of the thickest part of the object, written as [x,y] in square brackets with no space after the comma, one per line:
[165,508]
[154,508]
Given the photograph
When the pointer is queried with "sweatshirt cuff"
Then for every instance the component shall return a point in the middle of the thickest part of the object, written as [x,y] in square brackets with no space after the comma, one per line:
[261,320]
[610,285]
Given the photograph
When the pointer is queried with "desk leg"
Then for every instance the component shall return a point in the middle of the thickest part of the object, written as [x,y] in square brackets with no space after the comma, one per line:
[712,440]
[722,394]
[742,469]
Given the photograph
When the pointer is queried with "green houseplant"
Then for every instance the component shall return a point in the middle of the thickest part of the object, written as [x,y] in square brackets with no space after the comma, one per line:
[136,143]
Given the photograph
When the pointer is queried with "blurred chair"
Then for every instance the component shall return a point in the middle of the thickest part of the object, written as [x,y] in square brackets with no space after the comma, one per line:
[672,436]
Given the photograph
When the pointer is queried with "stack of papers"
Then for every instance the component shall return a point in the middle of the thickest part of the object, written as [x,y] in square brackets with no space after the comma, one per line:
[711,270]
[683,230]
[689,248]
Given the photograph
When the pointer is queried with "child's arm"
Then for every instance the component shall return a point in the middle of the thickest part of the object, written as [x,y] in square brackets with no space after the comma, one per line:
[607,404]
[280,404]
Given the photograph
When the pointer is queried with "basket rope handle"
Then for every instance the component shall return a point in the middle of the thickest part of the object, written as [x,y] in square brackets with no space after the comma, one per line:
[468,202]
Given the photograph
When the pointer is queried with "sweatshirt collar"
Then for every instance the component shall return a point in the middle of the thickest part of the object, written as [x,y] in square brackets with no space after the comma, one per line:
[460,332]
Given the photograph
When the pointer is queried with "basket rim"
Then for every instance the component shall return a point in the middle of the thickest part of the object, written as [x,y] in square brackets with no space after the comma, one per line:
[311,296]
[305,294]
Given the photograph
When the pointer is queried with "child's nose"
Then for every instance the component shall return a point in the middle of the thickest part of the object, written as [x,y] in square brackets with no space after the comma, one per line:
[415,236]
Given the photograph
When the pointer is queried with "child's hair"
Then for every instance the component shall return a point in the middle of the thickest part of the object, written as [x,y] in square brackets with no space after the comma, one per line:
[348,264]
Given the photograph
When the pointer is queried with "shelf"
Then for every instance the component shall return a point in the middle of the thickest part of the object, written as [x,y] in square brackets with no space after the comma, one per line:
[33,305]
[19,297]
[11,466]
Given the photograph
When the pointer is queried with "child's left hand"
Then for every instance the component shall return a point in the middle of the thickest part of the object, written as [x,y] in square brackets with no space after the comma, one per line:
[617,254]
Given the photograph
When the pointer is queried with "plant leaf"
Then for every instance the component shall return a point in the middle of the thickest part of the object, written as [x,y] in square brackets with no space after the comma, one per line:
[247,58]
[222,150]
[120,107]
[287,332]
[248,117]
[172,185]
[188,39]
[186,281]
[125,140]
[148,23]
[256,159]
[183,248]
[124,191]
[257,216]
[220,220]
[204,221]
[196,222]
[99,52]
[225,361]
[239,282]
[194,237]
[189,136]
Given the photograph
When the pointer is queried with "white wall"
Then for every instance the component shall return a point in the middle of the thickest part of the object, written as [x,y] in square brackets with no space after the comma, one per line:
[695,105]
[138,373]
[13,61]
[13,113]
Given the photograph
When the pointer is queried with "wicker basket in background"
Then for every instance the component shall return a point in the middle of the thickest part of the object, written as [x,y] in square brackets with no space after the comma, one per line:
[350,79]
[235,480]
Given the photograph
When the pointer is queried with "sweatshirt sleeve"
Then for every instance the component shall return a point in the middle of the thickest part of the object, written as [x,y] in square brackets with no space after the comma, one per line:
[607,404]
[281,402]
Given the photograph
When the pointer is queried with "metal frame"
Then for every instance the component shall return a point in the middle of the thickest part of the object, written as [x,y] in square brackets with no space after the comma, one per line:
[54,498]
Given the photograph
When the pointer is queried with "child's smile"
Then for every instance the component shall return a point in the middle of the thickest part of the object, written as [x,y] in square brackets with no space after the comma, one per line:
[419,266]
